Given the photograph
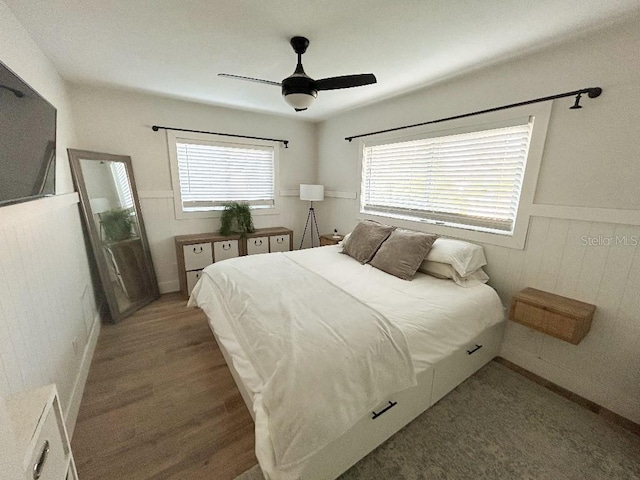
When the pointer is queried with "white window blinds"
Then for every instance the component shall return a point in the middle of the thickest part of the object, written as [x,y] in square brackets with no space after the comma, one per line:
[212,174]
[119,171]
[470,180]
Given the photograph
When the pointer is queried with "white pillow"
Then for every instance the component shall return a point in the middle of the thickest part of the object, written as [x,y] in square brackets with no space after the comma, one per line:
[346,237]
[465,257]
[446,271]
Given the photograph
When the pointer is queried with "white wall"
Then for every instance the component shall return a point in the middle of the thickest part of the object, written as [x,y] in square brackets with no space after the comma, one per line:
[46,299]
[119,122]
[588,185]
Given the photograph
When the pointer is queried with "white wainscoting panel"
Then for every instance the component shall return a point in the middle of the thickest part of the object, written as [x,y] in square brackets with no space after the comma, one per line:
[605,366]
[45,295]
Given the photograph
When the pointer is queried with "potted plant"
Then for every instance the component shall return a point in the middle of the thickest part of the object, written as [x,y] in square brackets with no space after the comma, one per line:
[236,218]
[117,224]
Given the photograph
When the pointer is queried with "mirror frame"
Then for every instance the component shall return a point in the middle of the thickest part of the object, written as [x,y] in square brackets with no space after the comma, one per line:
[94,235]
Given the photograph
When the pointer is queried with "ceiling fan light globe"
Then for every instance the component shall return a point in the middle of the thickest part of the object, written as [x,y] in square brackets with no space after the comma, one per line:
[299,101]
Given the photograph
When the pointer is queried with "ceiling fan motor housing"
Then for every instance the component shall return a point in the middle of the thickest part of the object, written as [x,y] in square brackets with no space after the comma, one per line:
[299,83]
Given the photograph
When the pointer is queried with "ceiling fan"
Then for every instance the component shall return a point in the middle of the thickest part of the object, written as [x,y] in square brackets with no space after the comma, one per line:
[299,90]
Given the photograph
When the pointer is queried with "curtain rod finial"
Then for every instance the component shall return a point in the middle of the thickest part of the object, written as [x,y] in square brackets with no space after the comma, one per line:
[155,128]
[595,92]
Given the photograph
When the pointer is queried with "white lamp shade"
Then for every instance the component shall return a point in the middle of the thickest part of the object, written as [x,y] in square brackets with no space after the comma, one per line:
[301,101]
[313,193]
[99,205]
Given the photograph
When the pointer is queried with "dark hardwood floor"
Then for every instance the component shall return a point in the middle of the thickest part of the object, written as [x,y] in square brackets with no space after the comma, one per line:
[160,402]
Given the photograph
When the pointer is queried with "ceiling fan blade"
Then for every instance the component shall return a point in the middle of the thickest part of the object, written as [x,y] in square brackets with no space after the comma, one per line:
[345,81]
[250,79]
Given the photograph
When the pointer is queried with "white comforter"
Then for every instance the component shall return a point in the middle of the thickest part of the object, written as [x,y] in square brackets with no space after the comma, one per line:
[437,317]
[323,358]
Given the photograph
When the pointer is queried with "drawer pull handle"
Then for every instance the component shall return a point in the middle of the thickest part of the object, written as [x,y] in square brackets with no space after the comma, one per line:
[226,246]
[39,465]
[478,347]
[385,409]
[257,243]
[198,252]
[279,240]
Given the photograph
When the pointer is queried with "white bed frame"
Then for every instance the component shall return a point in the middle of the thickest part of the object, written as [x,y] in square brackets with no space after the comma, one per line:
[433,384]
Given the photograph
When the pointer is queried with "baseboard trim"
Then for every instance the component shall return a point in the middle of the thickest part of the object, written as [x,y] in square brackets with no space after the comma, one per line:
[169,286]
[71,412]
[574,397]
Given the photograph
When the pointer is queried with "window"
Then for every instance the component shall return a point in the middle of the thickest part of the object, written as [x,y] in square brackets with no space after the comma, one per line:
[119,172]
[208,173]
[470,180]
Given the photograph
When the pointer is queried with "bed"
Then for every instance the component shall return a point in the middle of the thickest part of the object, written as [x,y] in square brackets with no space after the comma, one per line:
[332,357]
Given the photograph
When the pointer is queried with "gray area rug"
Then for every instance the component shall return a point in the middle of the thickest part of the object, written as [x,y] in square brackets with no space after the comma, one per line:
[500,425]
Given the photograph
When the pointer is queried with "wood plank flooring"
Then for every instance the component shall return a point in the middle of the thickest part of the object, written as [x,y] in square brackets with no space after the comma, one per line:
[160,402]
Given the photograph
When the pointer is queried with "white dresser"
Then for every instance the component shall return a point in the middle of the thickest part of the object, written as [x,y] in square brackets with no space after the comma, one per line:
[195,252]
[196,256]
[41,439]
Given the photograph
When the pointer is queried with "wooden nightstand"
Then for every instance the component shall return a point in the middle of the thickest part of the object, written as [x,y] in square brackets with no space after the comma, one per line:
[560,317]
[330,239]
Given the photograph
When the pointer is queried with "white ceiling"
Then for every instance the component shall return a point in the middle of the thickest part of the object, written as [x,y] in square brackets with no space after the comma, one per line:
[176,48]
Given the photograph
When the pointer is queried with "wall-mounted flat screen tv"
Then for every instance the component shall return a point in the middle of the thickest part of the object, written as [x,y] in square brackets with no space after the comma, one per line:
[27,141]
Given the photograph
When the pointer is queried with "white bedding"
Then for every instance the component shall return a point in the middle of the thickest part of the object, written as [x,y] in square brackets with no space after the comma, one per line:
[436,317]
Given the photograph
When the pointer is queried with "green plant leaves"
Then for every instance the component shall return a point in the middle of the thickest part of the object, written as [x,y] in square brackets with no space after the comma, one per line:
[236,218]
[117,224]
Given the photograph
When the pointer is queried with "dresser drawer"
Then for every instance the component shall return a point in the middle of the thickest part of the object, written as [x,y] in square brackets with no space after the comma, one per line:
[192,278]
[257,245]
[280,243]
[225,249]
[50,456]
[461,364]
[197,256]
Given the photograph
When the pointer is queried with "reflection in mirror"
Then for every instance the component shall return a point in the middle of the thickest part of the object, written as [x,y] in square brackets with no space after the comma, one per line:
[111,209]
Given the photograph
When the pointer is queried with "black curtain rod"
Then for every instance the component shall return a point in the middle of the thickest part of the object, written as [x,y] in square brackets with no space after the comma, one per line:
[155,128]
[592,92]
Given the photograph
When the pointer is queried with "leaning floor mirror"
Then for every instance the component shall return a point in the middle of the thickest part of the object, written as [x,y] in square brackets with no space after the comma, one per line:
[113,220]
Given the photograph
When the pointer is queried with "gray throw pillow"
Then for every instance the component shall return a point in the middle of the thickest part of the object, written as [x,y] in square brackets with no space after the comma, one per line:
[365,239]
[402,253]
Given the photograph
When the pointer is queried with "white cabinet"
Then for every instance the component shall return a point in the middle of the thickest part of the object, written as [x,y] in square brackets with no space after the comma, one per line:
[197,256]
[196,252]
[265,240]
[257,245]
[49,458]
[225,249]
[41,436]
[192,278]
[280,243]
